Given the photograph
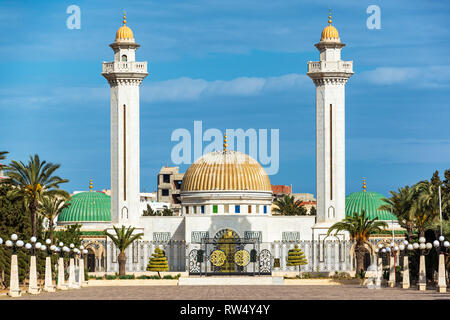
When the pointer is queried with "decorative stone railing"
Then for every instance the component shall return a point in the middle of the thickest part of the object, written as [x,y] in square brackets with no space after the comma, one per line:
[330,66]
[139,67]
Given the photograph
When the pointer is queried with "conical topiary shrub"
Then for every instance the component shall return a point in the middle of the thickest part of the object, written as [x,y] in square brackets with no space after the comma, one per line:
[296,257]
[158,262]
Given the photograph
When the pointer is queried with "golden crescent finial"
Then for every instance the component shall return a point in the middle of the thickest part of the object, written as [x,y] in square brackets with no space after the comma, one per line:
[225,145]
[124,18]
[364,184]
[329,16]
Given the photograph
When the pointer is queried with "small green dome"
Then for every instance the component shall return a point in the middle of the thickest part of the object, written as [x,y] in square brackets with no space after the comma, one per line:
[87,207]
[368,201]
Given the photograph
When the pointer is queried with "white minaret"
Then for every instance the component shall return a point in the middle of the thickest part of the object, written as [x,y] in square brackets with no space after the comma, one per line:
[124,75]
[330,75]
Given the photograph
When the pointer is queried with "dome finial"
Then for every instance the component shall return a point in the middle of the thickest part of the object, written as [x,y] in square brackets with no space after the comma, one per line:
[124,18]
[225,145]
[329,17]
[90,185]
[364,184]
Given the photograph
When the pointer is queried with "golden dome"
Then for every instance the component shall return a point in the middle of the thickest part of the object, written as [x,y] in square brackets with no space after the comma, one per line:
[330,32]
[124,32]
[226,170]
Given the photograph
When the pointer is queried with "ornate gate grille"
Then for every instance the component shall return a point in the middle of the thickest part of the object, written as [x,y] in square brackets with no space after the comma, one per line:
[230,256]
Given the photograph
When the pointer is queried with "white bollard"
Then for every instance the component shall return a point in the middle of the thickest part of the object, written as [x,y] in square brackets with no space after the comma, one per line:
[72,283]
[14,289]
[405,282]
[48,286]
[379,272]
[422,284]
[33,287]
[391,282]
[81,281]
[442,285]
[61,281]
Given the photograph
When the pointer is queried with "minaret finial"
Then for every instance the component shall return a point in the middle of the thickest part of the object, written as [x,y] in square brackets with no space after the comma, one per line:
[90,185]
[329,16]
[225,145]
[364,184]
[124,18]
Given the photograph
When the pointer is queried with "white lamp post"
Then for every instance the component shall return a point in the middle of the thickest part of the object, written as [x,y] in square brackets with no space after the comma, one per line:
[48,284]
[422,284]
[81,281]
[14,289]
[72,283]
[33,287]
[392,248]
[403,247]
[441,248]
[61,249]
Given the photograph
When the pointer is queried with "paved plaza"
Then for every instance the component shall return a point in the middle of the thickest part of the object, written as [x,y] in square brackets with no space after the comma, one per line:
[291,292]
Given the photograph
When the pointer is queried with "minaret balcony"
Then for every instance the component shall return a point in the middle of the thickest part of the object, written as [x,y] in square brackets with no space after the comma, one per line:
[126,67]
[330,66]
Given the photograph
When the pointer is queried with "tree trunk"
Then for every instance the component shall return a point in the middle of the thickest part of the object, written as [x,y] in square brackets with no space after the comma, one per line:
[50,230]
[122,260]
[33,209]
[409,230]
[359,252]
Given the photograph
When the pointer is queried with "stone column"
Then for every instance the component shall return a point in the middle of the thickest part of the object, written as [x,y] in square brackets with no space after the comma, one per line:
[379,272]
[33,287]
[276,254]
[422,285]
[391,282]
[442,285]
[48,286]
[72,283]
[81,281]
[61,281]
[405,282]
[14,290]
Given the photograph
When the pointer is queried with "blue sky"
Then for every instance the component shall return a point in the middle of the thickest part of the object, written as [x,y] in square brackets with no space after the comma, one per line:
[217,61]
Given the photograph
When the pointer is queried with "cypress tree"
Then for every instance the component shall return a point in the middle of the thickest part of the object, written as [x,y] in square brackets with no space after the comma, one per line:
[158,262]
[296,257]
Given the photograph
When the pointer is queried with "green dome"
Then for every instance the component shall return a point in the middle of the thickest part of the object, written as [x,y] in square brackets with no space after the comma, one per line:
[368,201]
[87,207]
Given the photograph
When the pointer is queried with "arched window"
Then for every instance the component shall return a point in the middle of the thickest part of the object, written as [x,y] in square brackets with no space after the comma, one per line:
[124,58]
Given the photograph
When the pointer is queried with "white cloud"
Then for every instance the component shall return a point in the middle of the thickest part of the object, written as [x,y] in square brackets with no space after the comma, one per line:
[427,76]
[188,89]
[174,90]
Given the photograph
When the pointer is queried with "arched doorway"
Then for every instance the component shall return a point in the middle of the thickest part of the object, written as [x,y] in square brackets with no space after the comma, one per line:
[227,241]
[91,260]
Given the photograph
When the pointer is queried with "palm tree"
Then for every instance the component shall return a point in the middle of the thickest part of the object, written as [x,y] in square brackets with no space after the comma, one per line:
[360,228]
[149,211]
[166,212]
[32,181]
[426,206]
[400,204]
[288,206]
[50,209]
[122,239]
[2,157]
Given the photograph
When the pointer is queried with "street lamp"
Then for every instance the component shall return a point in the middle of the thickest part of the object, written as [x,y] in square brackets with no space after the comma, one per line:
[422,246]
[13,244]
[33,287]
[72,252]
[403,247]
[61,249]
